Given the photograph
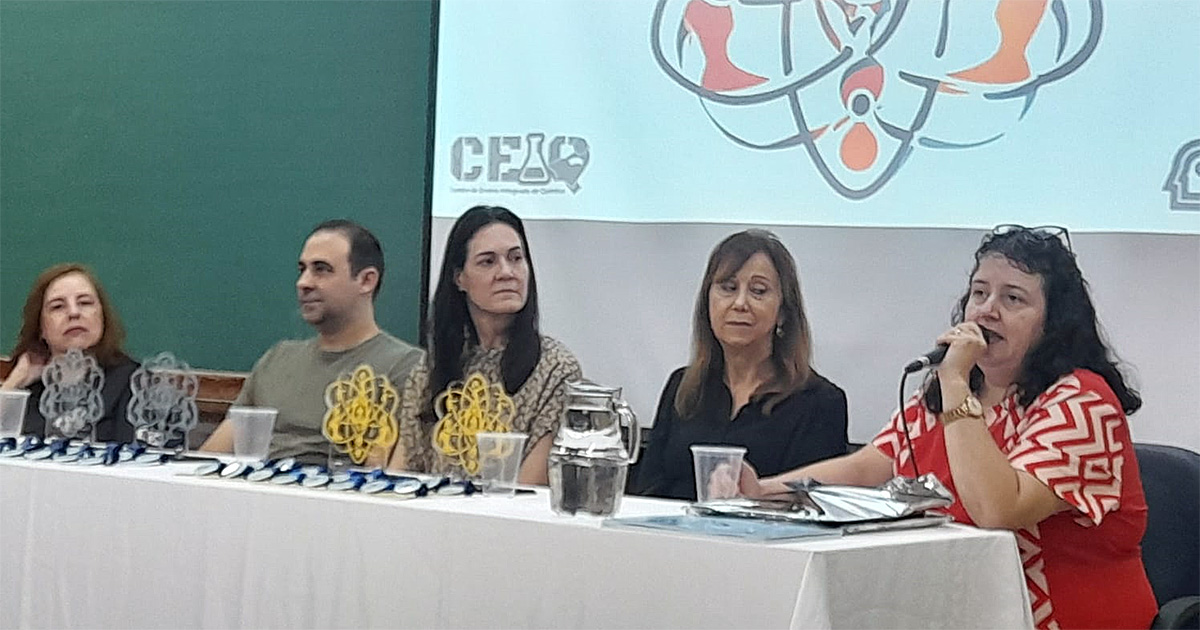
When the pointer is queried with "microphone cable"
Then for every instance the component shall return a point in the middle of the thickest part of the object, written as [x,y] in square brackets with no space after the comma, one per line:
[912,454]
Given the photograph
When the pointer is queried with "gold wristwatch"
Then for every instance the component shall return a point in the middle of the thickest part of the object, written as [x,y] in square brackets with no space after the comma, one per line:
[970,408]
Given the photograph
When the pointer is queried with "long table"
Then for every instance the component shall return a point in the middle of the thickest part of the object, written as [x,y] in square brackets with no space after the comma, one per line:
[133,547]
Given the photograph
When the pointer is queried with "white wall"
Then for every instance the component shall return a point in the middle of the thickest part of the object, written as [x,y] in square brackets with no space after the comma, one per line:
[620,296]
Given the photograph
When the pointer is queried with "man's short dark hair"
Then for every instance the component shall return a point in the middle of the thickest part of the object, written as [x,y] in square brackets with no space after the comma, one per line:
[365,250]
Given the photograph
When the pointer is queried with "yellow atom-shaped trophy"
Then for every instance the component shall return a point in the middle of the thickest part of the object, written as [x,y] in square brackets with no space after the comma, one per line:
[361,416]
[464,410]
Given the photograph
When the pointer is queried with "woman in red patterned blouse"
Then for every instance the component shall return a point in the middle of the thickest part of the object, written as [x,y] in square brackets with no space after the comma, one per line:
[1024,421]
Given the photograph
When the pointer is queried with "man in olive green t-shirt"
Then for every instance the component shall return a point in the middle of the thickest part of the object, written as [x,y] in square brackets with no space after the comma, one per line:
[341,270]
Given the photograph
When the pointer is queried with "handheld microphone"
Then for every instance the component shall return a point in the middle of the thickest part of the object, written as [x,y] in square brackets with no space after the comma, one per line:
[929,359]
[935,356]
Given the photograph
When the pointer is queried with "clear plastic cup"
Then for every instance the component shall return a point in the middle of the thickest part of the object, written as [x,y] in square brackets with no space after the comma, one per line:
[12,411]
[717,471]
[500,461]
[252,431]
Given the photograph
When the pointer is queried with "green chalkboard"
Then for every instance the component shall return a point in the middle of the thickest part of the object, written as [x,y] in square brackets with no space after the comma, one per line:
[184,150]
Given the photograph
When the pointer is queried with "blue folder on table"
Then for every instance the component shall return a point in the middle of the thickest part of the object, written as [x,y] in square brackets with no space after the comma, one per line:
[741,528]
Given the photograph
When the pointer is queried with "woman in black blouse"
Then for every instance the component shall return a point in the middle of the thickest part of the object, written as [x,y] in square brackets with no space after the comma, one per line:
[749,382]
[66,309]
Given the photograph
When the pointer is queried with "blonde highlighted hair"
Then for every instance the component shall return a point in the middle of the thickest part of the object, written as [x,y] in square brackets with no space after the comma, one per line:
[791,350]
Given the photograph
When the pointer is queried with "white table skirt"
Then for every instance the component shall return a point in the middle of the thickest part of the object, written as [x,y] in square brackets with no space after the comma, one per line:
[130,547]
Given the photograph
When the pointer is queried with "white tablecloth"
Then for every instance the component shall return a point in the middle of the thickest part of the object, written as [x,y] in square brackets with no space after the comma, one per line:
[130,547]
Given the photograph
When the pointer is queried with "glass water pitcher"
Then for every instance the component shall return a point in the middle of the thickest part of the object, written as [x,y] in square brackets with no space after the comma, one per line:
[589,459]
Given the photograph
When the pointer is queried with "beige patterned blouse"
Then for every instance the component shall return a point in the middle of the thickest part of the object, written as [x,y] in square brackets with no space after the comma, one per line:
[539,404]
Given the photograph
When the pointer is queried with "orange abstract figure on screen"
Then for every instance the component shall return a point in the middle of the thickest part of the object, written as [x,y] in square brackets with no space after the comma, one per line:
[859,84]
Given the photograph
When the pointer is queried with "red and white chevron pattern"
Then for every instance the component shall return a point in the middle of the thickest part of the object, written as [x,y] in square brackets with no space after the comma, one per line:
[1068,442]
[892,442]
[1028,543]
[1067,439]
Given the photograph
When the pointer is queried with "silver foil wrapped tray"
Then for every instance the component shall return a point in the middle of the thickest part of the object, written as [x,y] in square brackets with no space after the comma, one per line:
[814,502]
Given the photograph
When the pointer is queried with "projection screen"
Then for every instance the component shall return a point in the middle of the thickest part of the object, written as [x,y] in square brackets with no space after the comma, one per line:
[878,140]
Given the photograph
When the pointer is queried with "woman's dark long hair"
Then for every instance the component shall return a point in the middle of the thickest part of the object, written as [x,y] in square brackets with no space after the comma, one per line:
[452,331]
[1071,337]
[791,348]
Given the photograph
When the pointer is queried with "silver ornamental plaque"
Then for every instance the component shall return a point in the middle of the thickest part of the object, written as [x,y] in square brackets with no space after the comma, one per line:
[162,408]
[71,402]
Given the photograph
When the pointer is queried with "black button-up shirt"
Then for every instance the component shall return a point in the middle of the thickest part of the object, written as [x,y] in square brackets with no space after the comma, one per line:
[808,426]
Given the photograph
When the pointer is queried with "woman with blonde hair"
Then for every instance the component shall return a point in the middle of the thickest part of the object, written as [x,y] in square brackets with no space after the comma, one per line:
[750,382]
